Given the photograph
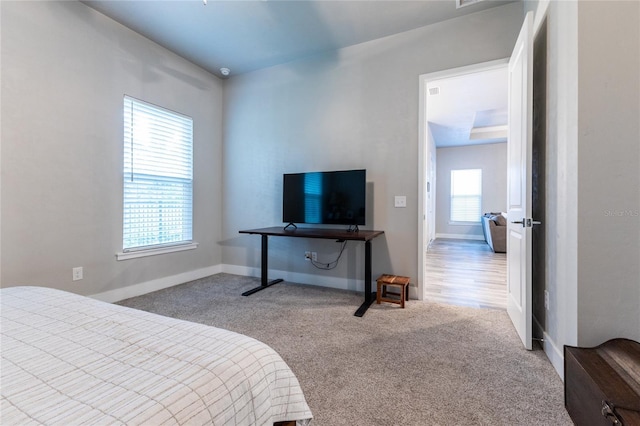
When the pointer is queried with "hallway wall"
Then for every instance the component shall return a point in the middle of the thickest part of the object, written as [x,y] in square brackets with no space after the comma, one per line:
[492,159]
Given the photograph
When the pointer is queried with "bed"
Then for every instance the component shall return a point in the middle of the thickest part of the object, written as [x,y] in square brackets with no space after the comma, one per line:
[69,359]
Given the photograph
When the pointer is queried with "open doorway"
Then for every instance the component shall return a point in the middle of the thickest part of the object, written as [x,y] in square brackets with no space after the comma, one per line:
[527,176]
[463,127]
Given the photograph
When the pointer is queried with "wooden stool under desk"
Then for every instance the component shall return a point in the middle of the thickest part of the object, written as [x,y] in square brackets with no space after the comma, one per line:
[392,280]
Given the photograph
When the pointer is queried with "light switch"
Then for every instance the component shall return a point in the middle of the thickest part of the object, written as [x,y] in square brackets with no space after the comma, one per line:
[400,201]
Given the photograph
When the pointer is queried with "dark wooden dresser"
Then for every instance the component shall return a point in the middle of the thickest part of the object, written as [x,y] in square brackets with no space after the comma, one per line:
[602,384]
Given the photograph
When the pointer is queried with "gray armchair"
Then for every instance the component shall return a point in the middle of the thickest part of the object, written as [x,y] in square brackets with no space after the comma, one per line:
[494,226]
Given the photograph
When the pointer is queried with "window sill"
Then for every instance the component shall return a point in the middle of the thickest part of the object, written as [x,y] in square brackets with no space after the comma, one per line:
[152,251]
[465,223]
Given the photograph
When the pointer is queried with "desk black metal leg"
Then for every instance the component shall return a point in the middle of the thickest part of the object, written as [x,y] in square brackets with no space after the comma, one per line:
[264,269]
[369,296]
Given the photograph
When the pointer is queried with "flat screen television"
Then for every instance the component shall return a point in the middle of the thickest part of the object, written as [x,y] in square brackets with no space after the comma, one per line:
[337,197]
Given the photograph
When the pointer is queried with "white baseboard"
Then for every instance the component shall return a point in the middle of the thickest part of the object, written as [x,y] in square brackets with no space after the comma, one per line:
[311,279]
[461,237]
[297,277]
[555,354]
[551,349]
[118,294]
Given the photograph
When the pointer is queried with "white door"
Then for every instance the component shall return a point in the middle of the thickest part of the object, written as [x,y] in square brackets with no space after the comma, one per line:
[519,183]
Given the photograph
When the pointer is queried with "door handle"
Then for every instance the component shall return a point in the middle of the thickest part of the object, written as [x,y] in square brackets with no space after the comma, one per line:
[527,223]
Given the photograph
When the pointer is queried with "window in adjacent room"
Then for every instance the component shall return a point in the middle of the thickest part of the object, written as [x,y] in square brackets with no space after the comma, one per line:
[466,195]
[158,180]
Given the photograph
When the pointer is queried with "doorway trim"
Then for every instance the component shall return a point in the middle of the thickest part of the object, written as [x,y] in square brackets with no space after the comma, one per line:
[423,80]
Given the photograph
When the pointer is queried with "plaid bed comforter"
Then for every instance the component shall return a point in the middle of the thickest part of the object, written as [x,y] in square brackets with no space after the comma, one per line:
[71,360]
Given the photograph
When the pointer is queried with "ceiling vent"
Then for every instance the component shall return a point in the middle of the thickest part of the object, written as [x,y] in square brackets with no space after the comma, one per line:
[463,3]
[434,91]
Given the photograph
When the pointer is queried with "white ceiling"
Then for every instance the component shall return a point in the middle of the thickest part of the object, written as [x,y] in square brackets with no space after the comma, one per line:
[249,35]
[476,101]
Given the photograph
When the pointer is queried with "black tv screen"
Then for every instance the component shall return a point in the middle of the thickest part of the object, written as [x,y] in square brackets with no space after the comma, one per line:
[337,198]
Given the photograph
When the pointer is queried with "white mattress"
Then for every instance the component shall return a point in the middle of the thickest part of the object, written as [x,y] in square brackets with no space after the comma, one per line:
[71,360]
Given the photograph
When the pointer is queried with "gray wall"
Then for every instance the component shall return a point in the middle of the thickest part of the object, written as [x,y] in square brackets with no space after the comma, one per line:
[608,171]
[65,69]
[492,159]
[352,108]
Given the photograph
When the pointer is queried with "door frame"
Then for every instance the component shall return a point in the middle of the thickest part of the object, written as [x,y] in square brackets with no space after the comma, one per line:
[423,80]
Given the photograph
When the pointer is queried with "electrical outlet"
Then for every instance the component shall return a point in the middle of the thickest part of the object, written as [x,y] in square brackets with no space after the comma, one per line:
[546,300]
[307,255]
[314,256]
[77,273]
[400,201]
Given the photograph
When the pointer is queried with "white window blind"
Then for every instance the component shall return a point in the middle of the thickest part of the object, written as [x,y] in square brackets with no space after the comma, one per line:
[158,176]
[466,195]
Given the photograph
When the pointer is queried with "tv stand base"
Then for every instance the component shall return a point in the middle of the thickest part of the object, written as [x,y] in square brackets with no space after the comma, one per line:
[367,302]
[262,287]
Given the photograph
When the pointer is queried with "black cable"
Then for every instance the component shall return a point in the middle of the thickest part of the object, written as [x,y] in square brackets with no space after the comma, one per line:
[330,265]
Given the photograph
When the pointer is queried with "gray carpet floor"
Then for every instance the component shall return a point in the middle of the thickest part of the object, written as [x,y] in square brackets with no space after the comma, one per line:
[427,364]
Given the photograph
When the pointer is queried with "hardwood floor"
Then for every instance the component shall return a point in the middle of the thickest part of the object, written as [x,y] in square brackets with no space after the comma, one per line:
[466,272]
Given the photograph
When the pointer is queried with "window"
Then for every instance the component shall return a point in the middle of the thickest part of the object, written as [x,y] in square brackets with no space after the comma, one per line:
[466,195]
[158,177]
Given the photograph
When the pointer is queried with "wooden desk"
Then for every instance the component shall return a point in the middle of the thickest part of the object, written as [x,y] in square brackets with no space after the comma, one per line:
[325,234]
